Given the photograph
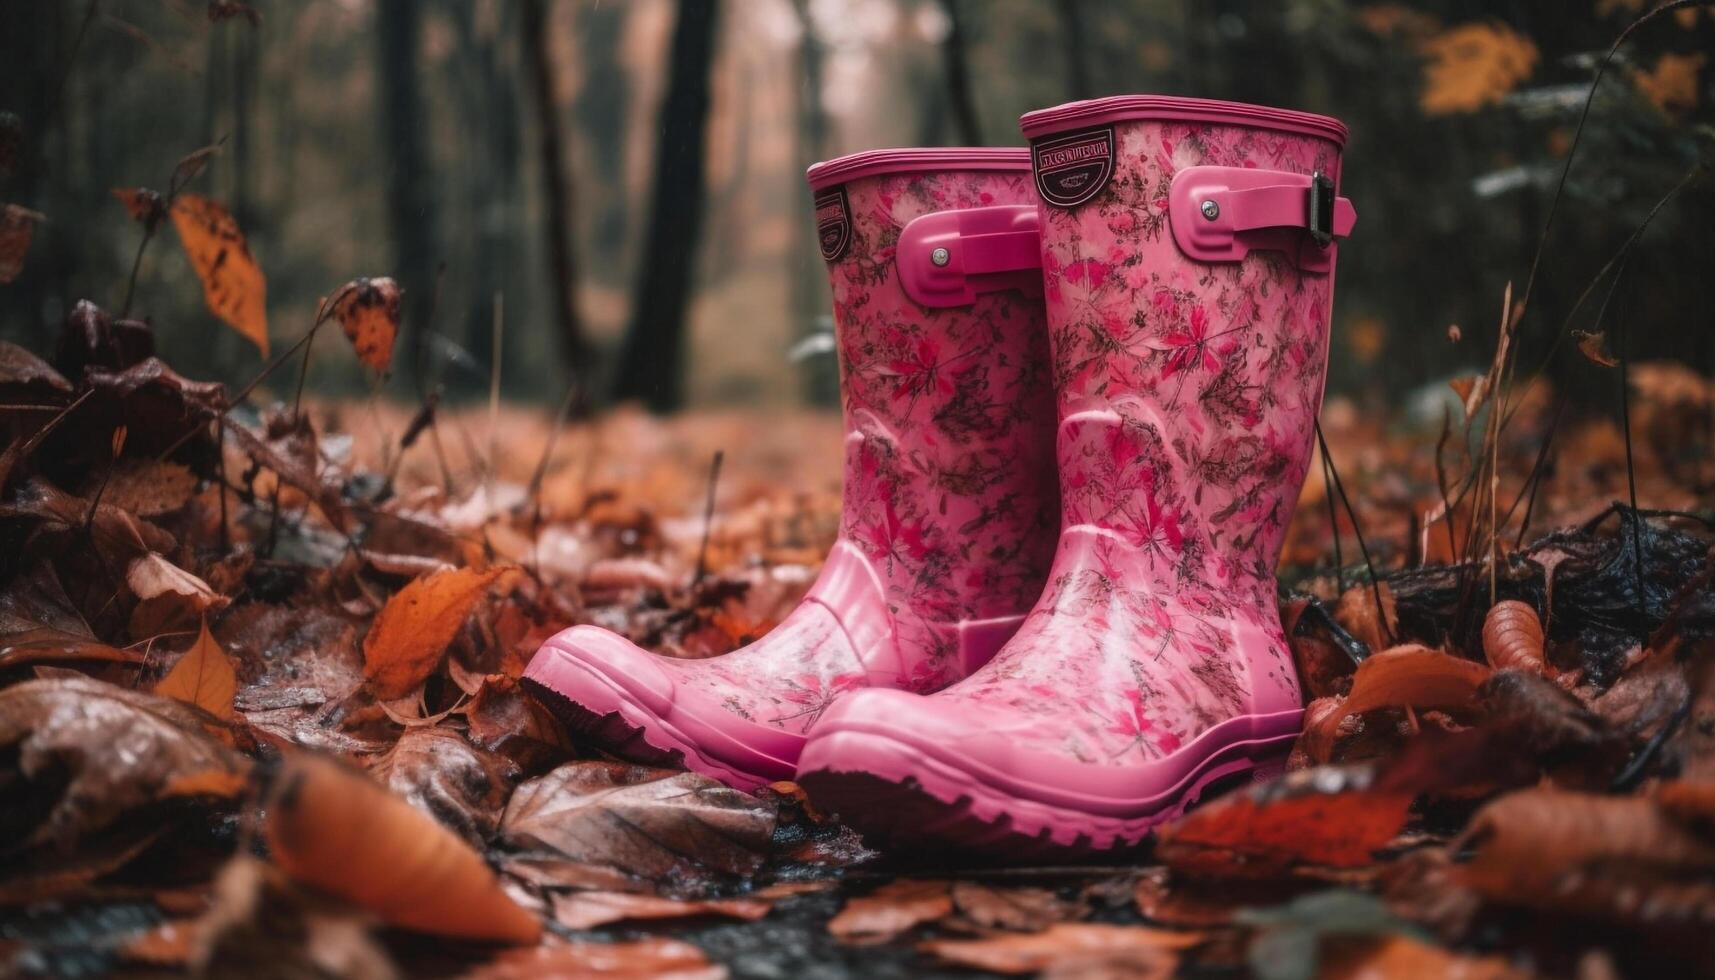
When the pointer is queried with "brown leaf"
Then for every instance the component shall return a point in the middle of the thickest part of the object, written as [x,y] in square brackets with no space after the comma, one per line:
[21,368]
[412,631]
[17,226]
[203,677]
[330,827]
[38,625]
[1398,955]
[1329,816]
[1133,951]
[891,910]
[647,822]
[145,206]
[1512,637]
[1357,612]
[1594,347]
[1406,676]
[149,488]
[644,958]
[589,910]
[1472,66]
[168,597]
[1017,909]
[1179,902]
[103,750]
[368,312]
[1672,85]
[232,282]
[502,718]
[438,772]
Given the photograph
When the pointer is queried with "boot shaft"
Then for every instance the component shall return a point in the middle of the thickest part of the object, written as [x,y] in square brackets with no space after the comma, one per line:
[948,408]
[1188,269]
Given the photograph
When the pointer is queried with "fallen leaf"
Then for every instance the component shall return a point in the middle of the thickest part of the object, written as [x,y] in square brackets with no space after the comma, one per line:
[1016,909]
[259,923]
[330,827]
[1402,956]
[21,368]
[1594,347]
[149,488]
[368,312]
[168,597]
[647,822]
[891,910]
[102,751]
[438,772]
[232,282]
[1133,951]
[1672,85]
[1329,816]
[1512,637]
[412,631]
[1406,676]
[1358,613]
[665,958]
[1472,66]
[17,226]
[589,910]
[1180,902]
[38,625]
[203,677]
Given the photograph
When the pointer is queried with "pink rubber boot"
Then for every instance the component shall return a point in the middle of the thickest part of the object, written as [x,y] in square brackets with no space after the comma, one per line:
[950,509]
[1188,263]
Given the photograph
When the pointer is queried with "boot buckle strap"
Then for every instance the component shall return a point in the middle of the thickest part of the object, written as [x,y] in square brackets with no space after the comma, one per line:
[948,258]
[1222,214]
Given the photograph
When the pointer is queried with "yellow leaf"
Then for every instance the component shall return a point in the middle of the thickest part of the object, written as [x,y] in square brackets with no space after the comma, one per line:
[1672,84]
[232,282]
[368,312]
[203,677]
[1473,65]
[412,631]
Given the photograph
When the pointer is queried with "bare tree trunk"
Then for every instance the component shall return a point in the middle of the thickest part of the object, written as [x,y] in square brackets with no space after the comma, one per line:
[1077,50]
[562,250]
[410,209]
[959,78]
[651,366]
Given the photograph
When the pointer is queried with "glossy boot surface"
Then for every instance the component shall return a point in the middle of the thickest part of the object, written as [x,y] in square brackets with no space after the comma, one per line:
[949,508]
[1188,373]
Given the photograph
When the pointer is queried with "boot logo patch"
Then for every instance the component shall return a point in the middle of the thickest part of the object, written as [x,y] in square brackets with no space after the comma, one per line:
[833,223]
[1072,169]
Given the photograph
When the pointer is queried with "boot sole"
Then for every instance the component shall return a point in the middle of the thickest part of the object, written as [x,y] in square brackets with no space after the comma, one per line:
[904,798]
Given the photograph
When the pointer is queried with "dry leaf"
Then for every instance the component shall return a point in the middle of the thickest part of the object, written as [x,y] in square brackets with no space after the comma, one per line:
[368,312]
[1407,676]
[647,822]
[149,488]
[1356,611]
[1594,346]
[1329,816]
[1673,84]
[1512,637]
[589,910]
[145,206]
[1135,951]
[101,750]
[232,282]
[663,958]
[412,631]
[1017,909]
[17,226]
[1472,66]
[203,677]
[168,597]
[892,909]
[330,827]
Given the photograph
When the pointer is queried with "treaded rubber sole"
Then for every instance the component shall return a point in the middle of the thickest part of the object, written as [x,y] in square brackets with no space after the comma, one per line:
[920,804]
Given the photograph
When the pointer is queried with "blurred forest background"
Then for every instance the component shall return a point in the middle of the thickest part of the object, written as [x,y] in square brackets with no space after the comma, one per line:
[616,186]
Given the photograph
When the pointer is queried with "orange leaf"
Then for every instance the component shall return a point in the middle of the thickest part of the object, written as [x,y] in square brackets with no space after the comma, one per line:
[210,782]
[143,204]
[203,677]
[1594,346]
[17,227]
[1672,85]
[232,282]
[1078,948]
[412,631]
[1473,65]
[331,827]
[368,312]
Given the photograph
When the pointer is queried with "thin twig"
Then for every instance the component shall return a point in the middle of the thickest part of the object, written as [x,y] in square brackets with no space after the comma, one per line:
[708,520]
[1357,531]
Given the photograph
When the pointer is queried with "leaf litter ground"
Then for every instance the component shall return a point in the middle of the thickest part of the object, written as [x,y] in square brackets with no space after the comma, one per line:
[260,710]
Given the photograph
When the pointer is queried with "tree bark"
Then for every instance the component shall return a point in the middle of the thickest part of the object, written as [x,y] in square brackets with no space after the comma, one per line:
[651,366]
[959,78]
[410,210]
[562,250]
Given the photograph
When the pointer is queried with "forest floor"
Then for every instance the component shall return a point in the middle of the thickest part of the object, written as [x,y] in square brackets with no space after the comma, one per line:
[203,604]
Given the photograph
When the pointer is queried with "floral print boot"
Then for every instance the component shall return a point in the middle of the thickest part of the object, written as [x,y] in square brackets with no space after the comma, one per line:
[1188,252]
[949,509]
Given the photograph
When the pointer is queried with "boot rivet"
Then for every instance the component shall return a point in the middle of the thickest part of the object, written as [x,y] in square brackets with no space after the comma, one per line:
[1211,210]
[940,256]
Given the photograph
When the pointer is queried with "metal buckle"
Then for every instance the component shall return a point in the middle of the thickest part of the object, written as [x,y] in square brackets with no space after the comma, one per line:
[1321,209]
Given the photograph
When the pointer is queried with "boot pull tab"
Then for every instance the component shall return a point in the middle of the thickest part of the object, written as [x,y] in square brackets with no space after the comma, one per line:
[949,257]
[1222,214]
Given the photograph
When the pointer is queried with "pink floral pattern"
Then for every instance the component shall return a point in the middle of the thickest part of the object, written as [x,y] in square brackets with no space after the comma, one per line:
[949,473]
[1187,395]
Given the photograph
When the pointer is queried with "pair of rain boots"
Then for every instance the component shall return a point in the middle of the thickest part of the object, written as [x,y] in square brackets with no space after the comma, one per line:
[1080,385]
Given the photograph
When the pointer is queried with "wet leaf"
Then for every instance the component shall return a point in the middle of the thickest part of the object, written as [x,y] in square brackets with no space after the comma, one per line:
[412,631]
[1096,949]
[891,910]
[368,312]
[648,822]
[330,827]
[17,226]
[203,677]
[117,750]
[589,910]
[1330,816]
[168,597]
[39,625]
[232,282]
[643,958]
[438,772]
[1018,909]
